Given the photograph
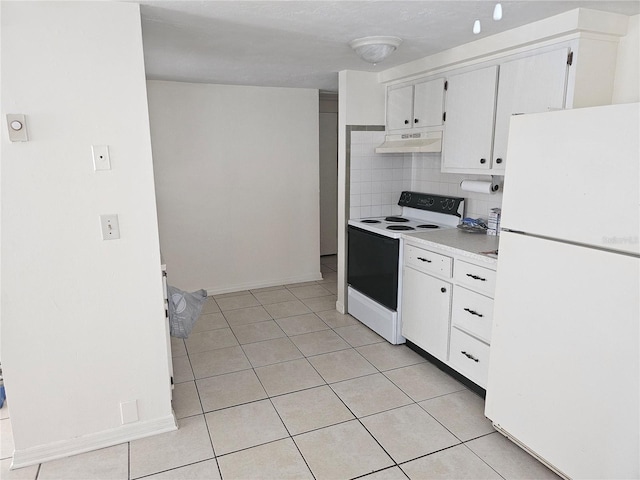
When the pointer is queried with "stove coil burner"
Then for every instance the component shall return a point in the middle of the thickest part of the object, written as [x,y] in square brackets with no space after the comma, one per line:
[428,225]
[400,227]
[395,219]
[370,221]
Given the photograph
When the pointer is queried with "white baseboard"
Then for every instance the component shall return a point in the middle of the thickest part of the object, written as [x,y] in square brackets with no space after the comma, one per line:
[264,284]
[94,441]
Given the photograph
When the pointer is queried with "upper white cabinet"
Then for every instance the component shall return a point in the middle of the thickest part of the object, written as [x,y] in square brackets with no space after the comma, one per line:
[468,137]
[400,108]
[428,103]
[415,106]
[480,103]
[528,85]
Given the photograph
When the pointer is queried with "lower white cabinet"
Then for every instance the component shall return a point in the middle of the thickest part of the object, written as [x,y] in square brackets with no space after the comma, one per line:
[448,312]
[426,312]
[472,313]
[469,356]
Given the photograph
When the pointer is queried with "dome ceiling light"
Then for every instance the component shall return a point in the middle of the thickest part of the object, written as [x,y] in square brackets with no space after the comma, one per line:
[375,49]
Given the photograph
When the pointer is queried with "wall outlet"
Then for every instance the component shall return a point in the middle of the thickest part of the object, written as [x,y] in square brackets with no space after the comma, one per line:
[110,227]
[101,159]
[129,411]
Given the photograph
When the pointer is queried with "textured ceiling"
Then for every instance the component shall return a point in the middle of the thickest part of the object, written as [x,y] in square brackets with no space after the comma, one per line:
[305,43]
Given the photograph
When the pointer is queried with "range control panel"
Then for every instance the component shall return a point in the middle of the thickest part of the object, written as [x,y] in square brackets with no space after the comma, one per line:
[433,203]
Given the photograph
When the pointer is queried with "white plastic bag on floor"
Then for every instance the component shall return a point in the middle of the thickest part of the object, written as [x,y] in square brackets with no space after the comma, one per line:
[184,310]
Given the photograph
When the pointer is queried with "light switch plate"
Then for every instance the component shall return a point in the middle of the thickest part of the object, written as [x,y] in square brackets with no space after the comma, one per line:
[109,226]
[101,160]
[17,125]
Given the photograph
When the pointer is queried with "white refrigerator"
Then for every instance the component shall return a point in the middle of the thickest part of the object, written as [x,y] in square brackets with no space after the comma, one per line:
[564,376]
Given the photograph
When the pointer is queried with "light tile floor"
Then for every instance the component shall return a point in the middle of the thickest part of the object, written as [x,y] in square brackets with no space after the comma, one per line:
[275,384]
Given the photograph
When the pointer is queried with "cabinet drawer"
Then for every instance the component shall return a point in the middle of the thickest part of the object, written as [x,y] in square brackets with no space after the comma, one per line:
[427,261]
[477,278]
[470,357]
[473,313]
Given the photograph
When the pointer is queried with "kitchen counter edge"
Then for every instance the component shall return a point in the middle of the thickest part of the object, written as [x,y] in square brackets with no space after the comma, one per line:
[459,243]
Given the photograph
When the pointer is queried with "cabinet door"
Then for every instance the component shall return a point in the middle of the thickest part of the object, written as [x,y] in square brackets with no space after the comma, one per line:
[528,85]
[470,106]
[428,103]
[426,304]
[400,108]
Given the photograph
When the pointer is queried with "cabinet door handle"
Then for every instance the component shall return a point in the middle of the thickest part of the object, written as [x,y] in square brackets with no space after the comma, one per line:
[443,290]
[424,259]
[406,122]
[475,277]
[469,356]
[415,120]
[473,312]
[498,160]
[483,160]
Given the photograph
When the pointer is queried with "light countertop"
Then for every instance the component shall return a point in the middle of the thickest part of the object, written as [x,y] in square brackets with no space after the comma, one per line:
[463,244]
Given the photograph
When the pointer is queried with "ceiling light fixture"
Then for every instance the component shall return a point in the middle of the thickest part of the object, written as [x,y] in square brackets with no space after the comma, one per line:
[375,49]
[497,12]
[497,15]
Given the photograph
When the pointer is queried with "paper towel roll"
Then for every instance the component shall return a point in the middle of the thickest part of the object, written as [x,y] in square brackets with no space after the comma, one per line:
[479,186]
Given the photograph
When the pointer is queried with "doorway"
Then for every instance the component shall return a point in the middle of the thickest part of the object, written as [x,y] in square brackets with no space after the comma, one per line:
[328,174]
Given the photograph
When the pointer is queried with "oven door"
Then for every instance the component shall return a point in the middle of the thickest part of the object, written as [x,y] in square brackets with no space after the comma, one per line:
[372,266]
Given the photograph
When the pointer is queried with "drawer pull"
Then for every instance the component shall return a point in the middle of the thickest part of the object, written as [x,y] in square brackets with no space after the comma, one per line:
[473,312]
[469,356]
[424,259]
[476,277]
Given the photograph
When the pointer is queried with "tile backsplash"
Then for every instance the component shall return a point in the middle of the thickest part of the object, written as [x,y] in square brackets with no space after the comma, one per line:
[376,180]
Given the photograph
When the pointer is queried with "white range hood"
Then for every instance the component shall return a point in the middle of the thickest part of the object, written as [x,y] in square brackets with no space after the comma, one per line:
[423,142]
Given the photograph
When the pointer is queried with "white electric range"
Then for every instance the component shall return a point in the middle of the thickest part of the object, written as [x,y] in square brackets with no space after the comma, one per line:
[375,257]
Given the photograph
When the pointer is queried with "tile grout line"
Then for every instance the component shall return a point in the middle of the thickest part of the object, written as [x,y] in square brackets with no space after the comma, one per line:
[291,436]
[478,456]
[307,357]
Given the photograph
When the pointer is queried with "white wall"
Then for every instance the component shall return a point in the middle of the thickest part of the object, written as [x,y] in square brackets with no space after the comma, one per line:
[626,87]
[82,319]
[361,101]
[236,171]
